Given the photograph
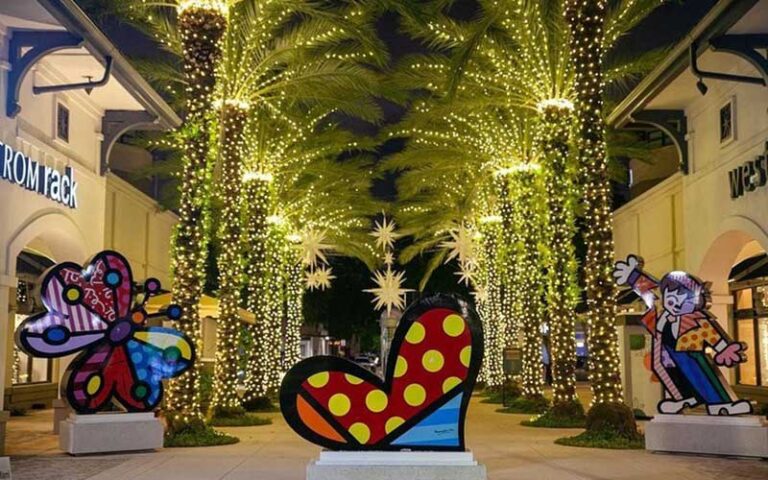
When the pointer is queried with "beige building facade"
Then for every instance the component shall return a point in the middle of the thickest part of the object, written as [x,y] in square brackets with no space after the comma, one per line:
[709,217]
[58,199]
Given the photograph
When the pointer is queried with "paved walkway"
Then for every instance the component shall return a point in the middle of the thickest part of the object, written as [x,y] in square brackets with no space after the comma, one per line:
[274,452]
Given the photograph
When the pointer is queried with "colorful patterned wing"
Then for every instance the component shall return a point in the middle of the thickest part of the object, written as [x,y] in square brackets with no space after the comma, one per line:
[68,325]
[93,375]
[156,354]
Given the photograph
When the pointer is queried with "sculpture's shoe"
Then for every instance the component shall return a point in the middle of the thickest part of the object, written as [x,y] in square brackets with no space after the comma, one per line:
[420,404]
[674,407]
[741,407]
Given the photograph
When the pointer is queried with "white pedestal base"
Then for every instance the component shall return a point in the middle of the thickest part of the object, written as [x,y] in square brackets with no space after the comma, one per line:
[732,436]
[110,432]
[395,466]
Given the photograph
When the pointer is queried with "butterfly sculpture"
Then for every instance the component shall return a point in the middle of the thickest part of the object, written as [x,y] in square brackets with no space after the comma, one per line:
[421,402]
[91,310]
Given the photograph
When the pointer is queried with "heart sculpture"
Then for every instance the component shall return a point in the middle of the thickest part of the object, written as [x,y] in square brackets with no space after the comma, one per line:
[420,404]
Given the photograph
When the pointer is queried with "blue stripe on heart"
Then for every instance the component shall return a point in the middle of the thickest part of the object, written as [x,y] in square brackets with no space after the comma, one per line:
[441,428]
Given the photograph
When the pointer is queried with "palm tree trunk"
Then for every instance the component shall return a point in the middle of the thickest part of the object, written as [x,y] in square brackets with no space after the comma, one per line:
[528,282]
[492,373]
[201,30]
[256,210]
[586,19]
[562,286]
[294,296]
[225,397]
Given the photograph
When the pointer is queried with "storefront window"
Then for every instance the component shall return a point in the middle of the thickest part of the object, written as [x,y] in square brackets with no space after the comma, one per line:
[28,369]
[744,299]
[762,336]
[747,370]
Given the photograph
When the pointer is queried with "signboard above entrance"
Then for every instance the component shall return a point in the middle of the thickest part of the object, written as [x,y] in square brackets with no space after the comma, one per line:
[21,170]
[748,177]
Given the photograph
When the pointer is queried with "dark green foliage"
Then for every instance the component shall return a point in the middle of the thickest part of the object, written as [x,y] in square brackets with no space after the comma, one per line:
[227,412]
[548,421]
[612,419]
[603,440]
[537,404]
[193,433]
[568,410]
[260,404]
[199,438]
[241,421]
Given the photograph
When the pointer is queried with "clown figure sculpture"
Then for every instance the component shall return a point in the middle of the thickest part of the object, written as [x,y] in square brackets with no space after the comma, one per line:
[682,332]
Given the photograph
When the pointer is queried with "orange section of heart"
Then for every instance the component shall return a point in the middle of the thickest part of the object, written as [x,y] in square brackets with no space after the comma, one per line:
[432,362]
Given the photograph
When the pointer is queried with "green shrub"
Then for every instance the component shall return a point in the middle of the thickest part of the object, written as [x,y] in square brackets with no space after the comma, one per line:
[207,437]
[193,433]
[612,419]
[227,412]
[603,439]
[260,404]
[537,404]
[546,420]
[241,421]
[572,409]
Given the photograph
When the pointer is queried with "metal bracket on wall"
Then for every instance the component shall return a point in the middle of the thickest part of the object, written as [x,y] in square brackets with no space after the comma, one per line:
[744,46]
[24,50]
[674,124]
[117,123]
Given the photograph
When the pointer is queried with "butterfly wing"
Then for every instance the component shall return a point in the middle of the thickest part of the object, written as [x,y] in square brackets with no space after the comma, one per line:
[88,387]
[67,325]
[156,354]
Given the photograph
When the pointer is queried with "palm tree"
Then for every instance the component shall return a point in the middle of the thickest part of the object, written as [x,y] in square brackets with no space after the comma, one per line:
[298,193]
[519,53]
[595,25]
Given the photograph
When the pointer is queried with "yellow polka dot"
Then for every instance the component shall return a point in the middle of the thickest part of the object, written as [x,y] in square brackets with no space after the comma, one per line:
[465,356]
[72,294]
[392,424]
[450,383]
[453,325]
[414,394]
[94,383]
[432,361]
[353,379]
[339,404]
[319,380]
[401,366]
[361,432]
[415,334]
[376,401]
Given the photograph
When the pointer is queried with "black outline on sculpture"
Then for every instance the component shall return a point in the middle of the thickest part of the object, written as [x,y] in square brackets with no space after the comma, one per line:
[291,385]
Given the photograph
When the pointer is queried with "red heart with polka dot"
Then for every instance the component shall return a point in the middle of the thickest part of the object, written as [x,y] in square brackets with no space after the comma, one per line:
[420,404]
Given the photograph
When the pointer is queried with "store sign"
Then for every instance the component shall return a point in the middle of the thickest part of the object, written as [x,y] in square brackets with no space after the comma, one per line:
[749,177]
[21,170]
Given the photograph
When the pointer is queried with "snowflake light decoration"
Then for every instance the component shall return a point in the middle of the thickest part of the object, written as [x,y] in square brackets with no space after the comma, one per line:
[389,259]
[320,278]
[385,234]
[461,246]
[313,247]
[389,291]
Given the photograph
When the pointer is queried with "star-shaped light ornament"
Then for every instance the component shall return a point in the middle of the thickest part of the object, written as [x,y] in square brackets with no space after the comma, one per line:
[385,234]
[313,247]
[389,291]
[461,246]
[480,294]
[320,278]
[389,259]
[466,273]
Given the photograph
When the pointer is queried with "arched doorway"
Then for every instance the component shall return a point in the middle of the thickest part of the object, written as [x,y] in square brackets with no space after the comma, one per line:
[737,265]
